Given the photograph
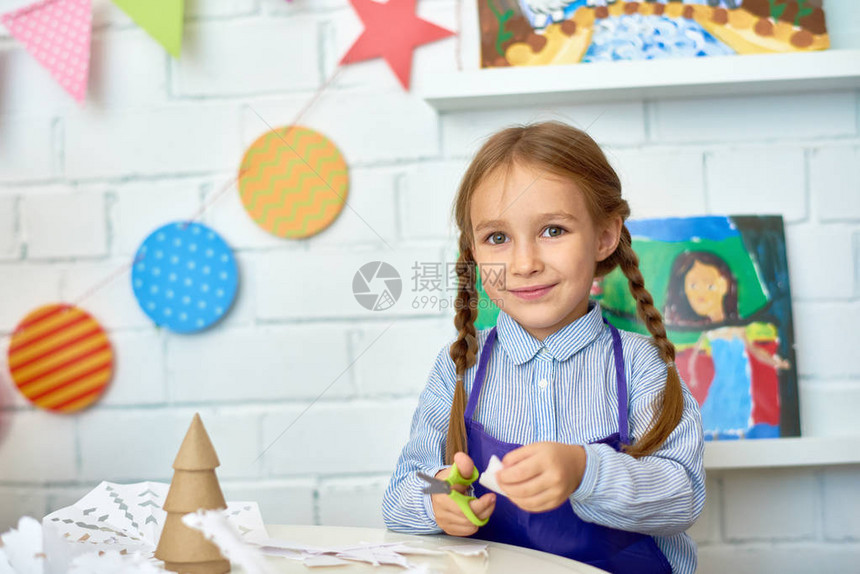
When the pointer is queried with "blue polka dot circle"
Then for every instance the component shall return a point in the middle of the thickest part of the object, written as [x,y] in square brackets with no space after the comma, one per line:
[184,277]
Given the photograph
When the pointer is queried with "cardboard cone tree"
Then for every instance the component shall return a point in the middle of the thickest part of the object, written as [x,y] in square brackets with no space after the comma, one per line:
[194,487]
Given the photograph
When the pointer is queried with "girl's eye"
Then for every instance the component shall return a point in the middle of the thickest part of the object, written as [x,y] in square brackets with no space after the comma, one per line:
[497,238]
[553,231]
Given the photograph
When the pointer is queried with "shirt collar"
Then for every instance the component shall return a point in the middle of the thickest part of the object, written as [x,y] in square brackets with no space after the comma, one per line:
[521,346]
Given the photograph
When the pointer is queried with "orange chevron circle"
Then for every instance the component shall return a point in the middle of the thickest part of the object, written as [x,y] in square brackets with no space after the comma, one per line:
[293,182]
[60,358]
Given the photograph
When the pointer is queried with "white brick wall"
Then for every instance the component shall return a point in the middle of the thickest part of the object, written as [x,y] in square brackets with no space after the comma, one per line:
[771,118]
[281,502]
[258,364]
[150,440]
[770,504]
[140,208]
[26,149]
[841,501]
[114,54]
[113,305]
[38,447]
[828,408]
[610,123]
[401,126]
[834,174]
[8,227]
[216,56]
[29,286]
[397,361]
[282,291]
[368,437]
[825,261]
[661,183]
[353,502]
[171,139]
[737,177]
[426,195]
[832,355]
[158,139]
[51,231]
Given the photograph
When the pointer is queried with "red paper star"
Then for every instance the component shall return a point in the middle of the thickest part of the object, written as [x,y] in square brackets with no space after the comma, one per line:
[392,31]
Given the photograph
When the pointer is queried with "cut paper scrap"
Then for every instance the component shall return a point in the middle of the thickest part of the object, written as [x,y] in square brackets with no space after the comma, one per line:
[162,19]
[293,182]
[488,477]
[323,560]
[374,553]
[60,358]
[57,34]
[216,527]
[185,277]
[21,550]
[392,31]
[125,517]
[466,549]
[111,562]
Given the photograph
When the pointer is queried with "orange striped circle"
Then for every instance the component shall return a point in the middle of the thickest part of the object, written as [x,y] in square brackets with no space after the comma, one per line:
[60,358]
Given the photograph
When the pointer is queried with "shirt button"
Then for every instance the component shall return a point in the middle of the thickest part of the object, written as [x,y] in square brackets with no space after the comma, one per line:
[543,384]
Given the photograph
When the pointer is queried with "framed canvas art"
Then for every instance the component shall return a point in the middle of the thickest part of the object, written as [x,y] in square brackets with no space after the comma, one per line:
[545,32]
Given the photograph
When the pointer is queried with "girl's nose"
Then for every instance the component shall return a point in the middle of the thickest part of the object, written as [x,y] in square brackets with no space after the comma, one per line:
[526,260]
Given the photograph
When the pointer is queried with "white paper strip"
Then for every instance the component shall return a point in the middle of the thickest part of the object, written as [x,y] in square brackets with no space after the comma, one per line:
[216,527]
[488,477]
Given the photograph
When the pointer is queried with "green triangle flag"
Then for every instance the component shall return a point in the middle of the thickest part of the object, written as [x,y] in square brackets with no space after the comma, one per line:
[162,19]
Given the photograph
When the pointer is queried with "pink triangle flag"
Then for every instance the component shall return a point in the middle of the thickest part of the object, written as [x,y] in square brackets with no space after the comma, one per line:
[57,34]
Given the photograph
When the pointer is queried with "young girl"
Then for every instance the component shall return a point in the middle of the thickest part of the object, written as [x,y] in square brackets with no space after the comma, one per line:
[611,472]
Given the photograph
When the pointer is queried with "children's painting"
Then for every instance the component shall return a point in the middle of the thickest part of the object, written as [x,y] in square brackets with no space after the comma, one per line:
[722,286]
[543,32]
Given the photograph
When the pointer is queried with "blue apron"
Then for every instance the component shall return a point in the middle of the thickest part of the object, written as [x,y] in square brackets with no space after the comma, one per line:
[560,531]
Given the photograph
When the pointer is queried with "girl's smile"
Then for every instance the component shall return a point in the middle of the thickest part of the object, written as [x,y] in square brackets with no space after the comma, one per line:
[532,293]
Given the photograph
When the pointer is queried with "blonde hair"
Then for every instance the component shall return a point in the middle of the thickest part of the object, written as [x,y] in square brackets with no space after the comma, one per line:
[570,153]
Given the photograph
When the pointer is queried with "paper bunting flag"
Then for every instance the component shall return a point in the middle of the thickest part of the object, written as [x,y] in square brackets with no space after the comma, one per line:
[392,31]
[162,19]
[293,182]
[60,358]
[185,277]
[57,34]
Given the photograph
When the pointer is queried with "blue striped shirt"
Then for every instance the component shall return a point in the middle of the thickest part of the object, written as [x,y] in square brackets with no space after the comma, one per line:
[564,389]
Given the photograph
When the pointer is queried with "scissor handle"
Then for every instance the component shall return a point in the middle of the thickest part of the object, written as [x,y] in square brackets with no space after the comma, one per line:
[463,502]
[461,499]
[456,478]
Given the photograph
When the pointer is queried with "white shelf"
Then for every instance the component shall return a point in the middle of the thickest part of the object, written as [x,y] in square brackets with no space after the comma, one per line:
[783,452]
[683,77]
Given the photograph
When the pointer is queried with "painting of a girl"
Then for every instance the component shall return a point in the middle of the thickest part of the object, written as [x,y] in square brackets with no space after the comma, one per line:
[732,367]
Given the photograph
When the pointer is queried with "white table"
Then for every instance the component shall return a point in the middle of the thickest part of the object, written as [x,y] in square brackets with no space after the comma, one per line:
[503,558]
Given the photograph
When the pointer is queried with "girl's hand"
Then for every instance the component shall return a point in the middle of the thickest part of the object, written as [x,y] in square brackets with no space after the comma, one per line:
[541,476]
[449,517]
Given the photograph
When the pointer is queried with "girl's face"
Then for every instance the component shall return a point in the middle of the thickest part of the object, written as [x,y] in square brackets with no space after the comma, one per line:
[536,246]
[706,288]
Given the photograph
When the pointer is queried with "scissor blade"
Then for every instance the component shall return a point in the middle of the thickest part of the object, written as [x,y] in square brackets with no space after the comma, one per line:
[435,486]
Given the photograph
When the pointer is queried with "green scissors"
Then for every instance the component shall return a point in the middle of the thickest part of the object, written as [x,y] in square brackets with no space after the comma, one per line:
[437,486]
